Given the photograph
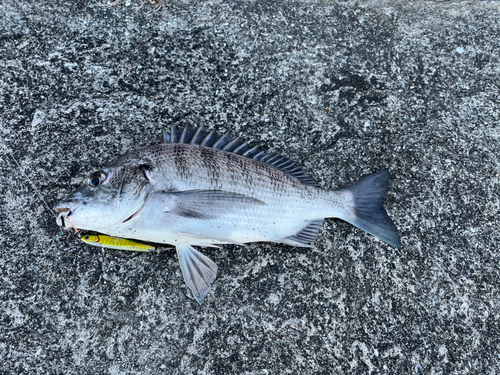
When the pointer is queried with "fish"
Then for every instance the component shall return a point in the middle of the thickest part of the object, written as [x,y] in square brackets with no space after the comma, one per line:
[100,240]
[198,188]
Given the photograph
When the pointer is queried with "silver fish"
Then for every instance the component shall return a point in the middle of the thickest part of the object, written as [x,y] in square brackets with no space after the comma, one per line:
[202,189]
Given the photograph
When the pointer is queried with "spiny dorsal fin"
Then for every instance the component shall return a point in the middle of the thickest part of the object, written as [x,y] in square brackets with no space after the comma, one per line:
[202,137]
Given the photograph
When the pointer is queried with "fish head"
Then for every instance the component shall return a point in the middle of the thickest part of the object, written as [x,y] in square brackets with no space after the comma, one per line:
[107,199]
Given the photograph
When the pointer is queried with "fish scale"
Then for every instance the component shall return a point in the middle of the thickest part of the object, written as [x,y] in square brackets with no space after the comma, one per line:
[203,189]
[285,196]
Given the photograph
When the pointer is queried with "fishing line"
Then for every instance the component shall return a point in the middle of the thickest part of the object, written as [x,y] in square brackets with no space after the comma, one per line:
[6,148]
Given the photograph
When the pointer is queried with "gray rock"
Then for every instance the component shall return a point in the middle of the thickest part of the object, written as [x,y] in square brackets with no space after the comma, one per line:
[346,89]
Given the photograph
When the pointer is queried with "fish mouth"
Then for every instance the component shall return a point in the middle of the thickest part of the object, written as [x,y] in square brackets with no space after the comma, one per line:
[64,211]
[62,218]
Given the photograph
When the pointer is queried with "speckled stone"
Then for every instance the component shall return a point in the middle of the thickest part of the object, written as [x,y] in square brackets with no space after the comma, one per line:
[346,89]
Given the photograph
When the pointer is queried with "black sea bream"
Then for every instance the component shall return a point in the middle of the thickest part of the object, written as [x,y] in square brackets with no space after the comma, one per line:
[202,189]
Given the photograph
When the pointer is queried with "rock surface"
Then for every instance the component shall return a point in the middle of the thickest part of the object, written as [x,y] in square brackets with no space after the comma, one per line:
[346,89]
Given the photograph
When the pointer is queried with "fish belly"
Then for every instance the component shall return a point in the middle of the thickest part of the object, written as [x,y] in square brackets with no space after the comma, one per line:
[242,225]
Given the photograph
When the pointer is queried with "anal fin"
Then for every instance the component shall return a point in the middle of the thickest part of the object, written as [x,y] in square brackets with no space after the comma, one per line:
[306,236]
[198,270]
[290,242]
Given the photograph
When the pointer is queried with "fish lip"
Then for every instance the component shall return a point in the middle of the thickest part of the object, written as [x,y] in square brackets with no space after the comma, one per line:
[60,220]
[64,210]
[64,213]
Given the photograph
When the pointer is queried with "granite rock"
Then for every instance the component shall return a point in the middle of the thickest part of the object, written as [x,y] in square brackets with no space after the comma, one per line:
[345,88]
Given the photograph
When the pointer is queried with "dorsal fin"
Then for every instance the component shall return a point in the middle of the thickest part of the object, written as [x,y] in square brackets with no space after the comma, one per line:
[226,143]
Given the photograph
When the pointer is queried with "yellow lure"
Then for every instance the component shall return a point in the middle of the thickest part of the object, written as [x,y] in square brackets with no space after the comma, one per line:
[115,243]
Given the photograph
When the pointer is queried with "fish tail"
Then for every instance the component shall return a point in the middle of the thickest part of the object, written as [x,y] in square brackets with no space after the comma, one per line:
[366,209]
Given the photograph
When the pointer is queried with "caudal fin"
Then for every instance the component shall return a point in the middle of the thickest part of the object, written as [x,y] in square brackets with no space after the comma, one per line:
[369,195]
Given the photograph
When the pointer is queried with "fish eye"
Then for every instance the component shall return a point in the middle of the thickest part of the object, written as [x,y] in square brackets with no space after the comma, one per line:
[96,178]
[86,238]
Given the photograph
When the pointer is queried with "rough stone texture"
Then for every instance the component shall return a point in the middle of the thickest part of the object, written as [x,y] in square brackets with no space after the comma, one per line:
[345,88]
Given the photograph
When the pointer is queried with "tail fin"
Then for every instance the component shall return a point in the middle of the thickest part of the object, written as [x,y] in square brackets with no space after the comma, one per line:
[369,195]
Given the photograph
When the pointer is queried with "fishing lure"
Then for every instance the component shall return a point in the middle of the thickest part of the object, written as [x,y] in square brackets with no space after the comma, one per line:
[115,243]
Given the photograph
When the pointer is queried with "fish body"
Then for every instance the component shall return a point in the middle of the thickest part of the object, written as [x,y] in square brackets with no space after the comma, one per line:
[201,189]
[115,243]
[193,202]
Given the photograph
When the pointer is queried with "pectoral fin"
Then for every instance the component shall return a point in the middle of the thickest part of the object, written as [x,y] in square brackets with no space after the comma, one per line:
[198,270]
[206,204]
